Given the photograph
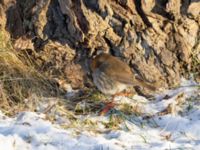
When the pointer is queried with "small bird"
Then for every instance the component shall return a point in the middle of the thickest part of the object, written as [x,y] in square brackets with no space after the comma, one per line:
[112,76]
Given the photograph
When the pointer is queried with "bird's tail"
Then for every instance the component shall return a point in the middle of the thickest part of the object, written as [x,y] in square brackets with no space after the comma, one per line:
[146,85]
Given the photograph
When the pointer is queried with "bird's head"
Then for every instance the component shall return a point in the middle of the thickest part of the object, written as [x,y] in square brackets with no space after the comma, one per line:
[98,60]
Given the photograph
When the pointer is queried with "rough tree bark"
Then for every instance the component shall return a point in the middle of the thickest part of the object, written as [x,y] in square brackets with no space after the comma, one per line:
[158,38]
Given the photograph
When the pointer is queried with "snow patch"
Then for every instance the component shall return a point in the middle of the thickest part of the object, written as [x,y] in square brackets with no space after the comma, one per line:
[181,130]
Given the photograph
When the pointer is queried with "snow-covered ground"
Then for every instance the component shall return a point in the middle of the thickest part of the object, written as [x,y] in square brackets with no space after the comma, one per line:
[172,122]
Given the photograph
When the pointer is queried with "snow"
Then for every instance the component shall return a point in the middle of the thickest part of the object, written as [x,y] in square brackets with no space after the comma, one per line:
[177,129]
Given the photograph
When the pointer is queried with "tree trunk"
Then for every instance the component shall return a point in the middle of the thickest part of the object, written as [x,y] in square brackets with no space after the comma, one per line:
[160,39]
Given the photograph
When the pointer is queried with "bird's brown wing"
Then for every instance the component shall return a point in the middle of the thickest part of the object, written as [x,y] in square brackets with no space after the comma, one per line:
[118,71]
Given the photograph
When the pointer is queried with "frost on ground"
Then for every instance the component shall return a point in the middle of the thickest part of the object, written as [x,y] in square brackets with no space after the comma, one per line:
[172,121]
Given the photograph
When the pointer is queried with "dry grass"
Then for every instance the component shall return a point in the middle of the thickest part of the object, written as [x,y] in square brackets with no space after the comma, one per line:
[18,81]
[21,82]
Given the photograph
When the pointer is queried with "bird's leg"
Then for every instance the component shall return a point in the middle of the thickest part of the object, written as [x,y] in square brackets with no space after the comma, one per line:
[108,106]
[111,104]
[126,94]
